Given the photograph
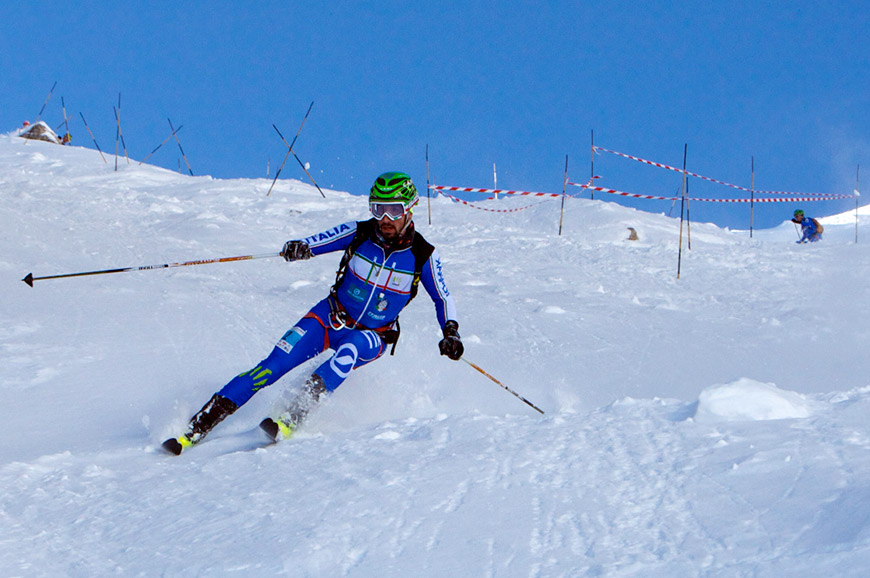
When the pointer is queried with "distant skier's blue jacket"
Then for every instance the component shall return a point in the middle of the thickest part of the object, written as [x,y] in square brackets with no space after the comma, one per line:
[809,230]
[377,285]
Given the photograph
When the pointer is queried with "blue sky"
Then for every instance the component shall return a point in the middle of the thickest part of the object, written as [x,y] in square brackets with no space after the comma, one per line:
[518,84]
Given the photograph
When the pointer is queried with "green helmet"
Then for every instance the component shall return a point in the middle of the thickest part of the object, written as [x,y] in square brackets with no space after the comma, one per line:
[798,213]
[394,187]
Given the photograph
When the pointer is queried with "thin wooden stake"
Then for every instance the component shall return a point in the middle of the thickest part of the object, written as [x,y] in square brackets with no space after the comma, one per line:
[117,135]
[47,98]
[280,168]
[564,190]
[752,199]
[688,219]
[592,168]
[857,194]
[175,134]
[291,151]
[121,132]
[682,207]
[92,138]
[304,168]
[63,140]
[161,144]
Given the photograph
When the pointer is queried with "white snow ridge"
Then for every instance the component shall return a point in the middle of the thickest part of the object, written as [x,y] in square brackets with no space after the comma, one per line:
[714,425]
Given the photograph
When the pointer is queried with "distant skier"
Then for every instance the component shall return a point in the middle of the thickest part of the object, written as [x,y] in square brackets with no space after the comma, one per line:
[384,260]
[811,229]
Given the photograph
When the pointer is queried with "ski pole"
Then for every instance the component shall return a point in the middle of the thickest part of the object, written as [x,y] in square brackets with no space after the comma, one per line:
[30,278]
[500,384]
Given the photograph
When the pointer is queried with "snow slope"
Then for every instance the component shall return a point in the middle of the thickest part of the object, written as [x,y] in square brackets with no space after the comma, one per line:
[711,425]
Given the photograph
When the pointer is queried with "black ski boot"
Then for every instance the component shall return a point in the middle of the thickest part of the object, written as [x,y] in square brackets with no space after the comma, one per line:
[283,426]
[211,414]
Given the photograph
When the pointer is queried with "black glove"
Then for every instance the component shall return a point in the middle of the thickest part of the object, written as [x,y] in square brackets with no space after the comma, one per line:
[296,251]
[451,345]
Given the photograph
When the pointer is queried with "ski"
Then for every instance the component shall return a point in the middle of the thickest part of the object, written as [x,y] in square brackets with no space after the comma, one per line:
[276,429]
[271,428]
[173,446]
[177,445]
[219,407]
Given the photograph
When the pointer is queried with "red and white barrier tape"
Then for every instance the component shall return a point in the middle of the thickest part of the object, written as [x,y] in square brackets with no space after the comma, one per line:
[452,198]
[442,188]
[738,187]
[758,200]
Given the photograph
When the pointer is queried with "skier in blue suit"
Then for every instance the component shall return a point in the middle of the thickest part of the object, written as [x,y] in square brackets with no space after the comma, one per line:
[384,261]
[810,228]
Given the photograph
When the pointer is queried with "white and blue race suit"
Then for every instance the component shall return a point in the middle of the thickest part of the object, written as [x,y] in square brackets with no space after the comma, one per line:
[376,287]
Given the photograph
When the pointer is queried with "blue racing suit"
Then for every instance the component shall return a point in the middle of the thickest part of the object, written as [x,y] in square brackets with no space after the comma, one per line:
[810,232]
[353,319]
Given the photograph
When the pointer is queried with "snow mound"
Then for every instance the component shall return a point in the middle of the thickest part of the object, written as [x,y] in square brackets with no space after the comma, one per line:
[749,400]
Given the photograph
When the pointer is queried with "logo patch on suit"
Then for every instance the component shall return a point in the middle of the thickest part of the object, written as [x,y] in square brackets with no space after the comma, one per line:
[290,339]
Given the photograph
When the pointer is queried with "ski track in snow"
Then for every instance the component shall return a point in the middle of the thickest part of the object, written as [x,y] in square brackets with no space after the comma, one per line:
[658,454]
[626,490]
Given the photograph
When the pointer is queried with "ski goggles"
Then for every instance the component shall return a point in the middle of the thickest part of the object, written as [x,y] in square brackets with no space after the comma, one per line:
[393,211]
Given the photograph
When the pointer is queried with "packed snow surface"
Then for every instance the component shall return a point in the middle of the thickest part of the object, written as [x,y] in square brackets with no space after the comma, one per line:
[713,424]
